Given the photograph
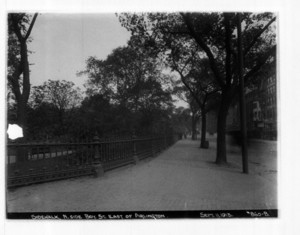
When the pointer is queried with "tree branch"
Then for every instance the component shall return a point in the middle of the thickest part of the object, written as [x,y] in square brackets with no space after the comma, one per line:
[213,92]
[175,64]
[182,77]
[16,28]
[31,26]
[258,35]
[187,20]
[260,63]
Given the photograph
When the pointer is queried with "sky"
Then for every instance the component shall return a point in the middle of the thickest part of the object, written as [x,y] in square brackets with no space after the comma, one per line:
[62,43]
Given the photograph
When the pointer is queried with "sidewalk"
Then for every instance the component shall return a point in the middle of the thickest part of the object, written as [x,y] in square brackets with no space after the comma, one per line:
[262,156]
[183,177]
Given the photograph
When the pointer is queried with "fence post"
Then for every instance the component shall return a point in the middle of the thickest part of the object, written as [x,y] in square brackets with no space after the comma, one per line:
[98,167]
[135,157]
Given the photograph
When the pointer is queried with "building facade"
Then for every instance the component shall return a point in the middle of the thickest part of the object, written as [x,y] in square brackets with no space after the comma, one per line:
[261,110]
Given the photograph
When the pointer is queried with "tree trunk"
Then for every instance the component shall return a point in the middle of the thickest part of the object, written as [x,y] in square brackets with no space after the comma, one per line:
[22,98]
[21,114]
[22,153]
[203,129]
[221,129]
[194,129]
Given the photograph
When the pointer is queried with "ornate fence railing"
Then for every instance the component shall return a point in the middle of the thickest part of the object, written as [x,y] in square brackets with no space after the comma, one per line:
[35,163]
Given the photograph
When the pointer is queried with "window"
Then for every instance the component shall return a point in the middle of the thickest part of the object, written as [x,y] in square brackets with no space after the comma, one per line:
[271,112]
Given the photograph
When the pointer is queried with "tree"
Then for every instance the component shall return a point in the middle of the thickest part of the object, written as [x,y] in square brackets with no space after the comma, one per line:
[42,122]
[123,76]
[196,77]
[61,95]
[194,107]
[130,79]
[212,36]
[19,29]
[184,94]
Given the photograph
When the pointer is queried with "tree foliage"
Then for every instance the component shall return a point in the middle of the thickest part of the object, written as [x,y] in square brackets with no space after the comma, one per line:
[61,94]
[127,78]
[131,81]
[52,107]
[212,36]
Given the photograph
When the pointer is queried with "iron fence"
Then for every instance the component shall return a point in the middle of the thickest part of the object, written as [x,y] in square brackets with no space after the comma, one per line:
[35,163]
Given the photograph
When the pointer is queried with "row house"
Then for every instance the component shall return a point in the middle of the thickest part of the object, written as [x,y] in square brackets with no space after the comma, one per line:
[261,110]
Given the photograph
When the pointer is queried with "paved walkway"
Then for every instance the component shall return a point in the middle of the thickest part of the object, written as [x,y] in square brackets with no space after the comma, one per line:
[183,177]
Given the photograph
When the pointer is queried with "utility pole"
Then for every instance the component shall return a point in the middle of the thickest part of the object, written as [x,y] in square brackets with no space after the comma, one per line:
[243,123]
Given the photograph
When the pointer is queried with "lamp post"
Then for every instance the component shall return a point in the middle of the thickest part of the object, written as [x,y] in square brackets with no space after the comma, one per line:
[242,96]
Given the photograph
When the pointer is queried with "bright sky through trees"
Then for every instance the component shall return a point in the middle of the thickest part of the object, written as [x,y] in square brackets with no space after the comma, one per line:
[62,42]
